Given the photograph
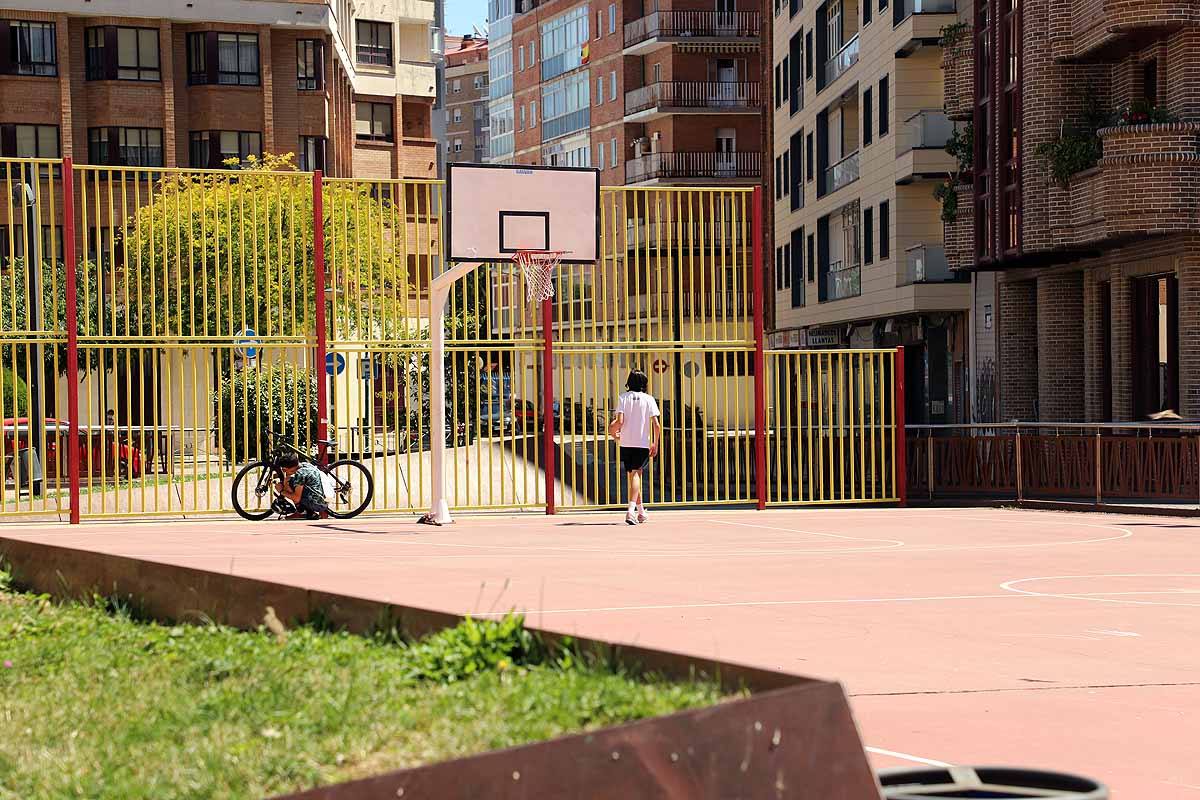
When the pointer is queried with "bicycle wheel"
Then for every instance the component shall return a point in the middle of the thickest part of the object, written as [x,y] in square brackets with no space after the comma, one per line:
[353,488]
[252,495]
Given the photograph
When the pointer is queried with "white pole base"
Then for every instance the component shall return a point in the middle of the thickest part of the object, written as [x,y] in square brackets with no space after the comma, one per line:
[438,515]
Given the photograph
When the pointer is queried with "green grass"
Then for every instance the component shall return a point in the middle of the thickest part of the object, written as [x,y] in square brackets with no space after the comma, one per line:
[97,704]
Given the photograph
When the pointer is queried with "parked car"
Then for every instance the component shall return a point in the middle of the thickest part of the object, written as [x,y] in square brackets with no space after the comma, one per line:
[525,417]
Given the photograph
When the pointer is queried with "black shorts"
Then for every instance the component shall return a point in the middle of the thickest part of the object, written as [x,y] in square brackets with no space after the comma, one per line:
[634,459]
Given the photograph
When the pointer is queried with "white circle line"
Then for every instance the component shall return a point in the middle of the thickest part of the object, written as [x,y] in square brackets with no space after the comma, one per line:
[1011,586]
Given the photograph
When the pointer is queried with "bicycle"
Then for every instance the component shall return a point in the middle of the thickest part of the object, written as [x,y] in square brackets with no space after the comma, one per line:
[254,486]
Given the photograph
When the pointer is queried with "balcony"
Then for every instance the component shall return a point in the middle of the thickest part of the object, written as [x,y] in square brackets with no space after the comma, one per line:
[700,167]
[663,28]
[958,75]
[841,282]
[1110,29]
[921,147]
[1145,184]
[926,263]
[845,58]
[843,173]
[920,22]
[959,234]
[692,97]
[568,123]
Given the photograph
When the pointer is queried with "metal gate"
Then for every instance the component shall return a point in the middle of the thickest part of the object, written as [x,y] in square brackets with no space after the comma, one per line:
[210,307]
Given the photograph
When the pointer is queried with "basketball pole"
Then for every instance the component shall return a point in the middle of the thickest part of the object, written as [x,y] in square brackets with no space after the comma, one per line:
[439,294]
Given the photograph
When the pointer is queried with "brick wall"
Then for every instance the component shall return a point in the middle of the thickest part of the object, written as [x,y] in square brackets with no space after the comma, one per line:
[958,236]
[958,65]
[1060,347]
[1018,341]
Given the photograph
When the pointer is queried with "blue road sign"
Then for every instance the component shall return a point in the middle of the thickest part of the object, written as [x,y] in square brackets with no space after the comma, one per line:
[335,363]
[247,343]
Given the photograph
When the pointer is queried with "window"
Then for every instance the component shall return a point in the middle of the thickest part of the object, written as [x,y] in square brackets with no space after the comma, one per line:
[211,149]
[373,121]
[480,110]
[532,53]
[779,83]
[657,71]
[599,23]
[127,54]
[794,7]
[456,86]
[373,43]
[29,141]
[310,64]
[778,177]
[566,106]
[521,58]
[31,48]
[600,155]
[811,256]
[778,250]
[795,173]
[563,42]
[521,126]
[795,88]
[532,113]
[500,68]
[312,153]
[729,362]
[600,91]
[479,84]
[786,267]
[458,145]
[883,106]
[1149,81]
[868,235]
[52,242]
[882,4]
[230,59]
[787,175]
[867,116]
[795,267]
[613,151]
[885,232]
[457,115]
[612,84]
[808,158]
[126,147]
[808,56]
[866,9]
[612,17]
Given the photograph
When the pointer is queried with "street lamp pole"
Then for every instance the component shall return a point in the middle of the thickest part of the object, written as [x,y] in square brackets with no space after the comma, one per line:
[25,197]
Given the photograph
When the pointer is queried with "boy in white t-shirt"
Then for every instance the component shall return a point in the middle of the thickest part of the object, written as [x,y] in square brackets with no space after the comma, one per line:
[638,430]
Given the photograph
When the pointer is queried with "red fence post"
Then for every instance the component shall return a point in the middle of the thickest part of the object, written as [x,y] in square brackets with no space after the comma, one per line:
[72,324]
[319,279]
[548,402]
[901,442]
[760,376]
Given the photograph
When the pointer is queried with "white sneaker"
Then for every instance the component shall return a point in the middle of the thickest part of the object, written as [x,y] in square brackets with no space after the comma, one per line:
[642,516]
[631,515]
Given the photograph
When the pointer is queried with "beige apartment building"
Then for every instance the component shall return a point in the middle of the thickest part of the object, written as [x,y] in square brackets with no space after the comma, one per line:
[859,139]
[466,99]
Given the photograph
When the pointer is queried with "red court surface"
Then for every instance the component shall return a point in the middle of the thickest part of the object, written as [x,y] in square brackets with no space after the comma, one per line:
[1056,640]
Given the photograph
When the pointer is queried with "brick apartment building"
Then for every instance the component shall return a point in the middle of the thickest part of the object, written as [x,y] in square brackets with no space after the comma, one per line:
[466,99]
[1079,217]
[859,137]
[664,95]
[346,87]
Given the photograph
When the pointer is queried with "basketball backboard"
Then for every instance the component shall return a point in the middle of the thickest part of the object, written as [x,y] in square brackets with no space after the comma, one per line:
[495,210]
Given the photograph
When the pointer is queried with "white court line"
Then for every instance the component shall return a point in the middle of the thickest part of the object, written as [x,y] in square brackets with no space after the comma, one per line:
[906,757]
[1102,597]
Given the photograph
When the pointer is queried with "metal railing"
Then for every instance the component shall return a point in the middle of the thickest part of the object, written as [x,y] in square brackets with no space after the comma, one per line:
[926,263]
[842,173]
[1098,463]
[373,54]
[693,94]
[693,165]
[693,24]
[841,281]
[843,60]
[929,129]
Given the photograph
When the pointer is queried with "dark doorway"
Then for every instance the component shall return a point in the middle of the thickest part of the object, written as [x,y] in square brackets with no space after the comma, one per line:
[915,407]
[1106,409]
[1155,345]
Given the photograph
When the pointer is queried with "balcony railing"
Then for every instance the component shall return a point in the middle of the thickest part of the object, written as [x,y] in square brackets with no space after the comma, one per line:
[720,230]
[568,123]
[845,58]
[926,263]
[842,173]
[906,8]
[693,94]
[693,24]
[374,54]
[842,281]
[676,166]
[929,129]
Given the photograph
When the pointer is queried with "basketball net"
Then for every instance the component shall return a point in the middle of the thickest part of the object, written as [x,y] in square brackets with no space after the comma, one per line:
[537,267]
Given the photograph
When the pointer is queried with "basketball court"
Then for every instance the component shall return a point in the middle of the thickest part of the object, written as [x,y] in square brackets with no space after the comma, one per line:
[1055,640]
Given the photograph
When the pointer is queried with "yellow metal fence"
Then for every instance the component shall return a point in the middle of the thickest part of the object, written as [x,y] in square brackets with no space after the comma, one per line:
[196,335]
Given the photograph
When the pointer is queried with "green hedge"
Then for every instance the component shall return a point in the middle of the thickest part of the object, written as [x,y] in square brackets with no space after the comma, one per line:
[11,386]
[252,402]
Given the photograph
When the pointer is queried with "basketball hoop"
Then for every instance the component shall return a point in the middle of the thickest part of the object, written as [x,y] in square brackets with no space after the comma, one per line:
[537,267]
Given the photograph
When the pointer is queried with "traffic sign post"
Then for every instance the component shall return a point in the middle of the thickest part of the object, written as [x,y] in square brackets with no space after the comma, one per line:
[335,363]
[248,344]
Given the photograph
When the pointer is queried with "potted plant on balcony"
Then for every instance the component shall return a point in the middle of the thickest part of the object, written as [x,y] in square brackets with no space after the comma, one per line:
[961,145]
[1142,112]
[1078,145]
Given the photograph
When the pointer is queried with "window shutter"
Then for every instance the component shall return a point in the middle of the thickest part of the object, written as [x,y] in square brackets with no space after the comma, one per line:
[5,56]
[111,58]
[212,58]
[114,142]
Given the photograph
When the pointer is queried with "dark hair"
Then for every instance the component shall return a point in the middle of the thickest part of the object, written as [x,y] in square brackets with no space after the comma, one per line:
[637,381]
[288,460]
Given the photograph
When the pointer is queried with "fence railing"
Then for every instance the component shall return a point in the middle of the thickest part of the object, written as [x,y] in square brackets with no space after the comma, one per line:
[693,24]
[843,60]
[842,173]
[694,94]
[928,129]
[926,263]
[693,165]
[842,281]
[1097,463]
